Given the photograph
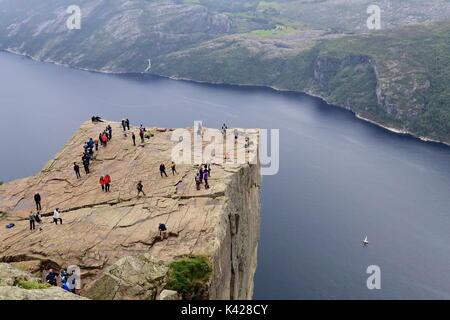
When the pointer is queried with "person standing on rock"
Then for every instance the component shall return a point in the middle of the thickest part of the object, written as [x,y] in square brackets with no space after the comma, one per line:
[76,168]
[163,234]
[205,177]
[38,219]
[133,137]
[91,143]
[37,199]
[197,181]
[32,221]
[86,165]
[124,126]
[107,183]
[141,134]
[96,144]
[162,170]
[140,188]
[208,167]
[173,166]
[200,173]
[102,183]
[109,129]
[104,140]
[127,123]
[57,216]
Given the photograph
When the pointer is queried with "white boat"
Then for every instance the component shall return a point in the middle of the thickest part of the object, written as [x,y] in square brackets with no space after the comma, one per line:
[365,241]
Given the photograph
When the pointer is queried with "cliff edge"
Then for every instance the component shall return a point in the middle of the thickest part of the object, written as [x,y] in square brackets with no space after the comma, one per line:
[101,229]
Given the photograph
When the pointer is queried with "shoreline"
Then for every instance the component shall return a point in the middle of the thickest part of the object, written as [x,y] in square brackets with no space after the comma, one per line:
[358,116]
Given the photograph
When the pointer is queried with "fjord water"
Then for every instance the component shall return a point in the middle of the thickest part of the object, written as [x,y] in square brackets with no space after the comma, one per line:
[340,178]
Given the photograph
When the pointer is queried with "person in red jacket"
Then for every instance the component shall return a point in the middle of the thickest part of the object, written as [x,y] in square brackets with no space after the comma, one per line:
[107,182]
[104,140]
[102,183]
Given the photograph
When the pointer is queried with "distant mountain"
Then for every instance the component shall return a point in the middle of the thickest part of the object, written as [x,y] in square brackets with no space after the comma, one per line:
[397,77]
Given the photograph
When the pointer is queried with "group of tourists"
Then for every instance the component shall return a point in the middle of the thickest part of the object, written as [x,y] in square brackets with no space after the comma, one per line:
[91,145]
[125,124]
[105,136]
[67,280]
[105,183]
[203,174]
[143,133]
[88,155]
[36,218]
[162,169]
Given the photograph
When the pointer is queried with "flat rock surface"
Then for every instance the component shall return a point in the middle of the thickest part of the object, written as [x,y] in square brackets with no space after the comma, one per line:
[100,228]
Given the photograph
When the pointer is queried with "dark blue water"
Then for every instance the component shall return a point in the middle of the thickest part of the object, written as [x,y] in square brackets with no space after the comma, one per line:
[340,178]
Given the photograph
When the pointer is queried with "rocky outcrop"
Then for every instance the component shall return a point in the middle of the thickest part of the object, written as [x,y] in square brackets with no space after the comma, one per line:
[53,293]
[9,277]
[101,228]
[134,277]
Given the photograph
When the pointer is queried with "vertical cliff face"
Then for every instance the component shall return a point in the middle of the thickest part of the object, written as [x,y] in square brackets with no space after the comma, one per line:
[235,261]
[113,236]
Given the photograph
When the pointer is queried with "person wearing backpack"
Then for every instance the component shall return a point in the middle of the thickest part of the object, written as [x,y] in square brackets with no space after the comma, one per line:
[163,234]
[32,221]
[104,140]
[38,219]
[173,166]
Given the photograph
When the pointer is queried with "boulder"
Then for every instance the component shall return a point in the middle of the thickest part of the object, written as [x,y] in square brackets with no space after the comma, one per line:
[133,277]
[169,295]
[53,293]
[10,275]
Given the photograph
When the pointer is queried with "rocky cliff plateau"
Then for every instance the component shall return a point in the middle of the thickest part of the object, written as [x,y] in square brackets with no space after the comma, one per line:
[113,237]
